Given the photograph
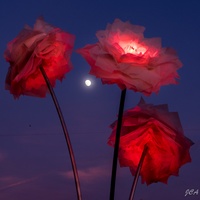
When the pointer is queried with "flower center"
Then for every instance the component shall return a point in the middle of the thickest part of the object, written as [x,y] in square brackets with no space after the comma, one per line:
[132,48]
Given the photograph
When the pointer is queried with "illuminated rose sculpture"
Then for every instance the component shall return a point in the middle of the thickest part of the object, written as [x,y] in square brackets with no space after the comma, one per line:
[161,131]
[43,45]
[123,56]
[38,57]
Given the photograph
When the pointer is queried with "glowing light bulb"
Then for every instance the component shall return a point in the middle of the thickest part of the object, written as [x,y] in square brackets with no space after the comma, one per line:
[133,48]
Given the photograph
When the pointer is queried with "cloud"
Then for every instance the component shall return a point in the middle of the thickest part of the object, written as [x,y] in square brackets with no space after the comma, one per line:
[89,174]
[10,182]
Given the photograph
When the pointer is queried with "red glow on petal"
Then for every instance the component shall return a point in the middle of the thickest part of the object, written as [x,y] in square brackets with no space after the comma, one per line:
[123,56]
[45,46]
[161,131]
[132,48]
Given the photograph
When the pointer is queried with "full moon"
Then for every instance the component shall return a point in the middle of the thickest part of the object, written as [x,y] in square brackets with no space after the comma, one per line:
[88,83]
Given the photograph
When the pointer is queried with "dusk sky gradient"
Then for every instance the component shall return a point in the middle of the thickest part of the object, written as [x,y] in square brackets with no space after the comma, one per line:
[34,160]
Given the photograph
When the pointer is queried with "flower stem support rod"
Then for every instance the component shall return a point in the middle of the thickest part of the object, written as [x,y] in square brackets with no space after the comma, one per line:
[66,134]
[132,193]
[116,147]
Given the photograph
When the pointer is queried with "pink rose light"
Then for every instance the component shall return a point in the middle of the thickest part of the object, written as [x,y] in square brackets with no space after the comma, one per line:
[41,46]
[38,57]
[123,56]
[162,133]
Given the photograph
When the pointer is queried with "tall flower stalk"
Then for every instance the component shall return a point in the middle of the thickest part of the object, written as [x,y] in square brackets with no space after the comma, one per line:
[123,56]
[116,147]
[133,188]
[66,134]
[38,57]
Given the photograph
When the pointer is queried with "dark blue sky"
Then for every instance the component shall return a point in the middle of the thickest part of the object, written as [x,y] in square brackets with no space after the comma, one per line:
[34,162]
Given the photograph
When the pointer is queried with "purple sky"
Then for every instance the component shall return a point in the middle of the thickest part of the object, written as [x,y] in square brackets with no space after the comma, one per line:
[34,162]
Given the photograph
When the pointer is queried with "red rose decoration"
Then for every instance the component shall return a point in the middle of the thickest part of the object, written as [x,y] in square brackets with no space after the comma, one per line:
[43,45]
[123,56]
[161,131]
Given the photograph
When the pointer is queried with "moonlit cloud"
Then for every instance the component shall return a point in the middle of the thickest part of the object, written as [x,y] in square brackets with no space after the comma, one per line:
[89,174]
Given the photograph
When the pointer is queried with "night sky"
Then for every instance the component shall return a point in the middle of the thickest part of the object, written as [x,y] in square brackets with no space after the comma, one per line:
[34,161]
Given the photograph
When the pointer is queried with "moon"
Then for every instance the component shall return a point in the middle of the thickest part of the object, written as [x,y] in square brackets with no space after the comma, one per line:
[88,83]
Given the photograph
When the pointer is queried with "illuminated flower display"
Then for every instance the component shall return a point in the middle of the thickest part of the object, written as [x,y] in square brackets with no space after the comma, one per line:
[43,45]
[123,56]
[161,131]
[38,57]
